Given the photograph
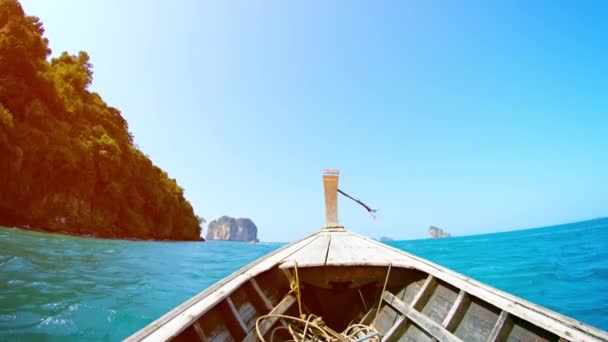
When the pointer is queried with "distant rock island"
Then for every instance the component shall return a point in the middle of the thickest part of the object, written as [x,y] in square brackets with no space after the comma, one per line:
[385,239]
[229,228]
[437,233]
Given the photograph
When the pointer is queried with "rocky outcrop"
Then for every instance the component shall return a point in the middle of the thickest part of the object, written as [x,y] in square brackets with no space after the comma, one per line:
[437,233]
[229,228]
[385,239]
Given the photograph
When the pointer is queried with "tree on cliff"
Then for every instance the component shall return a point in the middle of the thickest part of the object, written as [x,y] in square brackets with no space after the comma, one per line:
[67,159]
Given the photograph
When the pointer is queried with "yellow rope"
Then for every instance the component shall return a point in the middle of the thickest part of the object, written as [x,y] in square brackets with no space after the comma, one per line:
[314,328]
[298,294]
[388,272]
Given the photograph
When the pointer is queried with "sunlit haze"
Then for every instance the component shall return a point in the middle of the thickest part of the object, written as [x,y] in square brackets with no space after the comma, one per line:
[469,116]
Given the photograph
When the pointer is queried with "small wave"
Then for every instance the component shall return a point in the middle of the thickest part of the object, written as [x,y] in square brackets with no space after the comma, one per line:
[58,306]
[599,272]
[58,324]
[5,317]
[111,315]
[16,282]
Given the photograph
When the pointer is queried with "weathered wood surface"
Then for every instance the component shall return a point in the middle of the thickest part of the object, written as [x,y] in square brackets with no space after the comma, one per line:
[425,292]
[411,290]
[266,324]
[347,249]
[439,303]
[337,247]
[433,328]
[561,325]
[478,321]
[314,254]
[200,332]
[419,300]
[457,311]
[525,331]
[236,315]
[395,331]
[330,183]
[213,327]
[342,248]
[267,302]
[501,329]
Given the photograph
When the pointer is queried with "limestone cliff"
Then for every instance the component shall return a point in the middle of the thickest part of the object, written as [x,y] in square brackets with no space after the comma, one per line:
[229,228]
[437,233]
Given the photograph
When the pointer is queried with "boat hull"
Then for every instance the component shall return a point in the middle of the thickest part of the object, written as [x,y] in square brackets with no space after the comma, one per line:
[349,280]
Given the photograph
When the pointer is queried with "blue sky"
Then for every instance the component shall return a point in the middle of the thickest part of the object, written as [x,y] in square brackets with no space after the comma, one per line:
[471,116]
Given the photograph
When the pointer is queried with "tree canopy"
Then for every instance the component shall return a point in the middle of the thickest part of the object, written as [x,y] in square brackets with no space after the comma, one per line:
[67,159]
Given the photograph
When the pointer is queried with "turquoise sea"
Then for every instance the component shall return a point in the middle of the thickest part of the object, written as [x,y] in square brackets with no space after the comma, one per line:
[56,287]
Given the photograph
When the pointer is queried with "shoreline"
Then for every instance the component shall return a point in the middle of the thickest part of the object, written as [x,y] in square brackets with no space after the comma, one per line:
[89,236]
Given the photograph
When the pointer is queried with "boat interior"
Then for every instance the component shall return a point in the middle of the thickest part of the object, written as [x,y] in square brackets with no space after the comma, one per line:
[414,306]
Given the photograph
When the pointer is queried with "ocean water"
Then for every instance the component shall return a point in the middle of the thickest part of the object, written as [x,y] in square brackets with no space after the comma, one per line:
[55,287]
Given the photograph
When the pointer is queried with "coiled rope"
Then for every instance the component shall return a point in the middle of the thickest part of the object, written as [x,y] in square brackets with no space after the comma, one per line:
[312,328]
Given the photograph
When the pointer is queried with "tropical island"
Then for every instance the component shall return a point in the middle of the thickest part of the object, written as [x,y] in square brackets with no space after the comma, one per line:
[438,233]
[68,160]
[229,228]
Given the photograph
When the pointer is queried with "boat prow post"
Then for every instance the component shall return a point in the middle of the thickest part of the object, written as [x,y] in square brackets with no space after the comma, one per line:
[330,186]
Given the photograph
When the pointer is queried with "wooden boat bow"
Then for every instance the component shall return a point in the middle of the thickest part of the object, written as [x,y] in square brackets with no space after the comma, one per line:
[343,277]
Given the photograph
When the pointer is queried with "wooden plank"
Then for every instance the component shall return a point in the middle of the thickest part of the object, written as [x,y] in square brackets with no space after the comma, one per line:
[362,299]
[261,294]
[290,277]
[391,334]
[478,321]
[266,324]
[313,255]
[385,319]
[200,332]
[558,324]
[414,333]
[501,328]
[456,311]
[440,302]
[265,299]
[247,304]
[520,330]
[367,318]
[347,249]
[428,325]
[425,292]
[236,315]
[214,325]
[417,303]
[408,293]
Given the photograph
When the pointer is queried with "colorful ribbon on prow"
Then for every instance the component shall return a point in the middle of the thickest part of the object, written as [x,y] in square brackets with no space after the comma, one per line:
[367,207]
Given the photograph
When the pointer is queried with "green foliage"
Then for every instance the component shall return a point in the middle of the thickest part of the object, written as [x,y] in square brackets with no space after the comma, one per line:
[6,118]
[67,158]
